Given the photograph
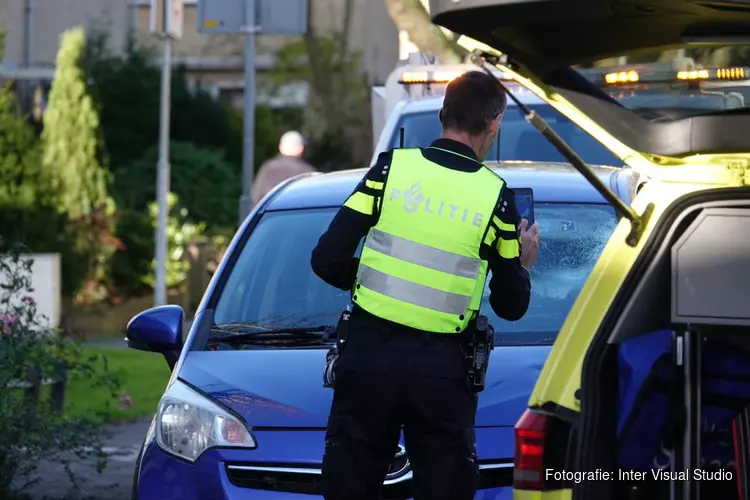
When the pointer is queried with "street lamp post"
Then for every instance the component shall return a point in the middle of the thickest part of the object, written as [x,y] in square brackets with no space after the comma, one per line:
[162,178]
[250,29]
[166,25]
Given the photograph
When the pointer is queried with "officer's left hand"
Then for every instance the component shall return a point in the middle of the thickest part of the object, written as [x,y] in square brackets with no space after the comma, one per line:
[529,243]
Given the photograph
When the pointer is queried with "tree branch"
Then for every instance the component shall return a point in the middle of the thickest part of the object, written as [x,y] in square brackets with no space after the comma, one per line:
[345,30]
[412,17]
[313,50]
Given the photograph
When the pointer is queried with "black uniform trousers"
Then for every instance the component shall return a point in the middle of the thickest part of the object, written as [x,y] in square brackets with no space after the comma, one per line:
[389,378]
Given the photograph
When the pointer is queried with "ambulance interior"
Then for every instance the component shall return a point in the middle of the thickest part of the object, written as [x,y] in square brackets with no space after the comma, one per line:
[668,386]
[674,382]
[669,389]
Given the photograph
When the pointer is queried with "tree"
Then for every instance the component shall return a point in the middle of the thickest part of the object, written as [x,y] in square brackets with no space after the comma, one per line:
[126,90]
[412,17]
[26,213]
[21,185]
[337,115]
[206,185]
[72,149]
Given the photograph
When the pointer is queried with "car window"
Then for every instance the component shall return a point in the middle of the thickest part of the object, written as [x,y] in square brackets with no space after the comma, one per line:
[272,283]
[518,140]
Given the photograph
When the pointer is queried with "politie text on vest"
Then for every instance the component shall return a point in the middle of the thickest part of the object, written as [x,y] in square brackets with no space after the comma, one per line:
[413,198]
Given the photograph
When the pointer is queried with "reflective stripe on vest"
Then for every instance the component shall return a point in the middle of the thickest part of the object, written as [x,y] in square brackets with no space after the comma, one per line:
[413,293]
[420,264]
[423,255]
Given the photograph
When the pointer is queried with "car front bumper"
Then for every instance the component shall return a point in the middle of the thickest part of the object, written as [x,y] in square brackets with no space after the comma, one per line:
[221,474]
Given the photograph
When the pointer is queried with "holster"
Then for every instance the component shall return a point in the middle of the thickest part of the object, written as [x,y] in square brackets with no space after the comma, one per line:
[479,341]
[334,353]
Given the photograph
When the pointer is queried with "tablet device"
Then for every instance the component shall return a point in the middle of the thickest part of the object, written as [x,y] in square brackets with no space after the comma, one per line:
[525,204]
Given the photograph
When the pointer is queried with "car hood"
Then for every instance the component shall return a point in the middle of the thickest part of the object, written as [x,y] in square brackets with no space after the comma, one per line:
[273,388]
[542,39]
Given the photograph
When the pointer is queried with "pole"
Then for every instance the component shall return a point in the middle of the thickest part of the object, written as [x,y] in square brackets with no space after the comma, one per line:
[28,51]
[28,38]
[133,11]
[246,201]
[162,178]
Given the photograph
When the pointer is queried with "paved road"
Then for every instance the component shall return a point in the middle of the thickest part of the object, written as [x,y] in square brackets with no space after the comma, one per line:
[113,483]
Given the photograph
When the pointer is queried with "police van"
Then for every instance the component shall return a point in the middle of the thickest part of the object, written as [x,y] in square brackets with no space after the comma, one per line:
[405,113]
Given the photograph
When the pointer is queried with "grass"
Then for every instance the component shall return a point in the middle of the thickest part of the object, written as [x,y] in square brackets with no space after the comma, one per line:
[142,375]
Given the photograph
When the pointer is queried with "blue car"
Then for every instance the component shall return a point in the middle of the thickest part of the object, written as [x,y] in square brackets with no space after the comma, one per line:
[245,411]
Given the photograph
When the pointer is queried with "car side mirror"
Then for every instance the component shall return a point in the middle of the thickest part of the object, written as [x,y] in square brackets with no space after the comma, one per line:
[158,329]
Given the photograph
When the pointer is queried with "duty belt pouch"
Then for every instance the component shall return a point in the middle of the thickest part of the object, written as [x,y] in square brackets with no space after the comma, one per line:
[481,342]
[332,357]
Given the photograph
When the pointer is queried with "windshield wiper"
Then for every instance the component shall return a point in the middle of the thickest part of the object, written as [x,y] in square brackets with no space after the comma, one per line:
[637,222]
[253,333]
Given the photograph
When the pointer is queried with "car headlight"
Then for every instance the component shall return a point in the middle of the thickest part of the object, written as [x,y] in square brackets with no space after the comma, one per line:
[188,423]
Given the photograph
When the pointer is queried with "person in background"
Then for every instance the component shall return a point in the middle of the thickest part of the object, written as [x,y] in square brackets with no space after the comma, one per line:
[287,164]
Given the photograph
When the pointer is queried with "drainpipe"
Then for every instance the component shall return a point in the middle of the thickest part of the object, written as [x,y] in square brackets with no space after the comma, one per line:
[28,18]
[28,51]
[133,7]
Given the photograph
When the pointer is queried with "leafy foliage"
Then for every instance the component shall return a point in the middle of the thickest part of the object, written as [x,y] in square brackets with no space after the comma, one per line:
[127,90]
[28,211]
[21,184]
[71,134]
[31,350]
[205,158]
[94,243]
[133,265]
[207,186]
[132,262]
[179,232]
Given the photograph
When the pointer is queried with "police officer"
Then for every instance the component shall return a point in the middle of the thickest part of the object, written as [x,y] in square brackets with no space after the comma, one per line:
[435,222]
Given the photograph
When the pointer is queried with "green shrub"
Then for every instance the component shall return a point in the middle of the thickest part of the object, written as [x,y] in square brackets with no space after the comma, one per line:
[31,431]
[131,264]
[180,231]
[207,186]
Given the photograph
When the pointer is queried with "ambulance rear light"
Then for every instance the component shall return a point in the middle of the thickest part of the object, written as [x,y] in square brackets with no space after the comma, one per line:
[531,437]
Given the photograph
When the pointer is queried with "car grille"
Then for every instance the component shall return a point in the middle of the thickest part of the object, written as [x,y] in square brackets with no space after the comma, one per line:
[303,479]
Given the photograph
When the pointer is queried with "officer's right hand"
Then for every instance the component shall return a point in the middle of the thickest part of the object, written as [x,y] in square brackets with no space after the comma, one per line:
[529,243]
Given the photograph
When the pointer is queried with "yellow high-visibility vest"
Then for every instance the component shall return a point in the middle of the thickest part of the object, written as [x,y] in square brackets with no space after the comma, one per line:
[420,264]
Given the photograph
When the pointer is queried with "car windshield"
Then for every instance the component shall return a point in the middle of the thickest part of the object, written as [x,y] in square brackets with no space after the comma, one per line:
[518,139]
[273,285]
[677,83]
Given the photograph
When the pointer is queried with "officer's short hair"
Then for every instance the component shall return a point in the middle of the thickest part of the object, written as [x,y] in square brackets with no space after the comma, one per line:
[472,101]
